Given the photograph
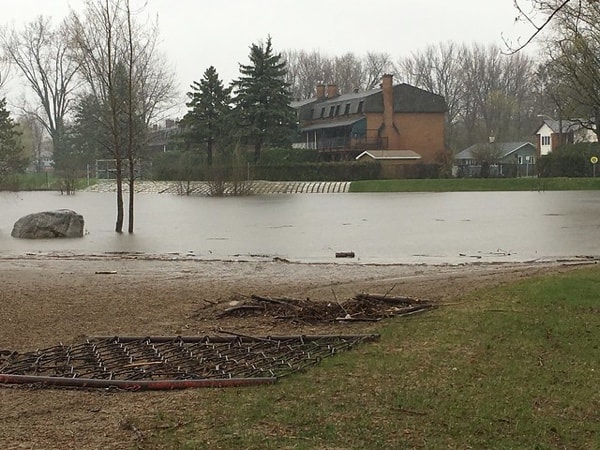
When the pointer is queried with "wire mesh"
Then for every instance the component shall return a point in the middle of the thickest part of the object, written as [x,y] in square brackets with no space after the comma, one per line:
[176,358]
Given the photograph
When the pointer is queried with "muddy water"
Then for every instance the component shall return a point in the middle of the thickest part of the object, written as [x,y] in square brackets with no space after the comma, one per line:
[379,228]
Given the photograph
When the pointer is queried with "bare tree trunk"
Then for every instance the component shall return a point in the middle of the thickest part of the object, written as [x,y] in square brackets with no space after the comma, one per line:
[131,198]
[130,121]
[119,175]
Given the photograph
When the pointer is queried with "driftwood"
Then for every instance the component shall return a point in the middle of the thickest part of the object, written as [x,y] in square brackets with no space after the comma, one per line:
[388,299]
[279,301]
[242,308]
[363,307]
[344,254]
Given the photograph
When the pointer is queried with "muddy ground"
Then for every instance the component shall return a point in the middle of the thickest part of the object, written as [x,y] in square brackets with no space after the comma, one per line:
[47,300]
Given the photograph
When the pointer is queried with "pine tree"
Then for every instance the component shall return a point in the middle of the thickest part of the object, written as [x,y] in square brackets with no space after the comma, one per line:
[209,111]
[263,99]
[12,159]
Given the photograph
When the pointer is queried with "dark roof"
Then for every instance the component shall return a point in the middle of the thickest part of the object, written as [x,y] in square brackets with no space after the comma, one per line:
[407,99]
[554,125]
[505,148]
[333,124]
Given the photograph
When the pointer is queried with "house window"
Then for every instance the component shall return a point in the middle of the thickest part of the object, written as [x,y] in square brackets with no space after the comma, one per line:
[520,159]
[322,112]
[337,110]
[545,140]
[331,111]
[347,109]
[360,107]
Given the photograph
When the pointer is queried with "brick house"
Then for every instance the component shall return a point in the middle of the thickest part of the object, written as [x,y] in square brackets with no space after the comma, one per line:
[401,119]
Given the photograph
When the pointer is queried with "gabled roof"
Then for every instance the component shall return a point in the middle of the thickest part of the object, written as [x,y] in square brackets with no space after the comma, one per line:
[389,154]
[555,125]
[504,148]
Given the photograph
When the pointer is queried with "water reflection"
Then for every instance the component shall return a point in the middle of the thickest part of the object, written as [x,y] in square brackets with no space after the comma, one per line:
[379,228]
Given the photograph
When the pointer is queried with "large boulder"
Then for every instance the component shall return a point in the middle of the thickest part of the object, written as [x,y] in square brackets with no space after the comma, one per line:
[62,223]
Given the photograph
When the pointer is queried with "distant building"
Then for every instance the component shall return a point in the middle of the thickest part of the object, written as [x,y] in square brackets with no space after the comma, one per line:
[554,133]
[401,121]
[161,138]
[509,159]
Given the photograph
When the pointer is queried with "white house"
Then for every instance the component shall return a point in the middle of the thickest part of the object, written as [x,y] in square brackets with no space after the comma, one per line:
[550,136]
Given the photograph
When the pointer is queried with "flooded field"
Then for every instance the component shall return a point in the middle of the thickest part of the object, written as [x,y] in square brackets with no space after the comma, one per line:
[432,228]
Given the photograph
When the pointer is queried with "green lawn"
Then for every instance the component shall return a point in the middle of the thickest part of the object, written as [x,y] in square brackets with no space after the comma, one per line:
[510,367]
[39,182]
[476,184]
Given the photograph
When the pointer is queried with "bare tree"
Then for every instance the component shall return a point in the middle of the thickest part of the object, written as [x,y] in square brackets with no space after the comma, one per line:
[128,78]
[41,54]
[549,10]
[574,64]
[5,65]
[439,68]
[487,93]
[376,65]
[306,70]
[34,131]
[486,155]
[349,73]
[498,94]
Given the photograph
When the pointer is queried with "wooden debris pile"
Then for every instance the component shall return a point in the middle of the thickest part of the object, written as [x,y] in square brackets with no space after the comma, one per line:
[363,307]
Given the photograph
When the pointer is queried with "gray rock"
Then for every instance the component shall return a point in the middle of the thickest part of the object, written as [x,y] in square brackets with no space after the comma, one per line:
[62,223]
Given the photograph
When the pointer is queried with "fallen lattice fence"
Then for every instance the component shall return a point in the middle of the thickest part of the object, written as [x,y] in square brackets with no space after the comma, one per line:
[163,362]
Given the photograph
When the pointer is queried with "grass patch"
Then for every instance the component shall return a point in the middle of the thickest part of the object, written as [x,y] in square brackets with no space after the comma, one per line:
[511,367]
[476,184]
[39,182]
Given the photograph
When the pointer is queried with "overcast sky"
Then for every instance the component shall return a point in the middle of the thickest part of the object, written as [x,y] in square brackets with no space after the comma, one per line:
[197,34]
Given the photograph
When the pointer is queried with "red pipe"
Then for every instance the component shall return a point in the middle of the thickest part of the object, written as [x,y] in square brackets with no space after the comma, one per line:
[134,385]
[225,339]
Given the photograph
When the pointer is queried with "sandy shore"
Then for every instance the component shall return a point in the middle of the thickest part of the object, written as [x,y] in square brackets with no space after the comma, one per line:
[50,300]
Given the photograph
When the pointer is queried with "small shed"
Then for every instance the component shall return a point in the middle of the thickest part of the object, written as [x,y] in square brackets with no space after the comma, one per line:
[392,162]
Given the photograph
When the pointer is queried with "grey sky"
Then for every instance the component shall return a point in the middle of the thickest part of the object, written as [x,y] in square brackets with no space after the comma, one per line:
[197,33]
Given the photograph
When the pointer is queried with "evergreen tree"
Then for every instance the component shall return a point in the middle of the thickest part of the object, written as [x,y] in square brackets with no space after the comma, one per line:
[86,138]
[262,98]
[12,159]
[209,112]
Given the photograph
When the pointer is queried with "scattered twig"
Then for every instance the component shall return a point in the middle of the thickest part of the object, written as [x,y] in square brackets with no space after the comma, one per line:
[286,302]
[390,290]
[412,412]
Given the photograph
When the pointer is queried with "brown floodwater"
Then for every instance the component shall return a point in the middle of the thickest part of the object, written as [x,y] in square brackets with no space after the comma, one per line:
[431,228]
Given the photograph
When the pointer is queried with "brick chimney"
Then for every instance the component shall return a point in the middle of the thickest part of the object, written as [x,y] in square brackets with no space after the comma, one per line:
[320,91]
[332,90]
[388,106]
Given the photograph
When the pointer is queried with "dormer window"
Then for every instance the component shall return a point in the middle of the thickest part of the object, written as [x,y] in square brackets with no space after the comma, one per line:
[331,111]
[347,109]
[322,112]
[360,107]
[337,110]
